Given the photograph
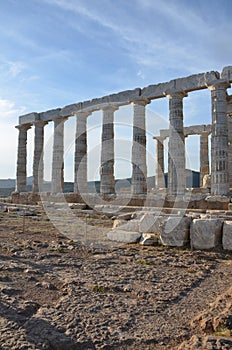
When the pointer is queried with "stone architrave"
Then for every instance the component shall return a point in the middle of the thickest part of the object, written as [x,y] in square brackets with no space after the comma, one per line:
[159,178]
[38,162]
[229,122]
[21,176]
[139,172]
[58,157]
[80,160]
[107,185]
[176,145]
[219,141]
[204,157]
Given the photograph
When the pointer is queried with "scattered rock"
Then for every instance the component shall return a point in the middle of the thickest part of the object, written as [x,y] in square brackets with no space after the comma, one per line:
[227,235]
[176,231]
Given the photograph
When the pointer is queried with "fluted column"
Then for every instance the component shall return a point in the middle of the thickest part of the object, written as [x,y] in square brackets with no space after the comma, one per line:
[107,185]
[21,175]
[38,162]
[139,172]
[159,178]
[80,160]
[58,156]
[176,145]
[229,123]
[204,156]
[219,141]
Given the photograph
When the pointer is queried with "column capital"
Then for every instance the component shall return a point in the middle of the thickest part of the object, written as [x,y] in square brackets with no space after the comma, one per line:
[159,138]
[173,93]
[204,133]
[60,119]
[110,108]
[23,126]
[40,123]
[141,101]
[83,114]
[218,84]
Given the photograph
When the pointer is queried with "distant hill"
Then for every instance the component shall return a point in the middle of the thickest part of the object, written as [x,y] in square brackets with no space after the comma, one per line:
[7,186]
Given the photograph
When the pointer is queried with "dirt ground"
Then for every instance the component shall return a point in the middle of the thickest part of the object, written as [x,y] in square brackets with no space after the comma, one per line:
[59,294]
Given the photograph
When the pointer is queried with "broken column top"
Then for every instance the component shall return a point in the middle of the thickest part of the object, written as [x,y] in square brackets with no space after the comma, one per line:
[186,84]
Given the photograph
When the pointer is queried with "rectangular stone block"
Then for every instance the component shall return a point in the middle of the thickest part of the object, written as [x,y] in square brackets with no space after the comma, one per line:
[28,118]
[123,236]
[176,231]
[205,234]
[150,223]
[227,235]
[50,115]
[70,109]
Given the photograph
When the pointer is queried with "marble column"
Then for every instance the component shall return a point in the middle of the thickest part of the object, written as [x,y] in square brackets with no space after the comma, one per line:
[229,123]
[159,178]
[38,163]
[107,185]
[80,160]
[204,156]
[219,140]
[139,172]
[176,145]
[21,175]
[58,156]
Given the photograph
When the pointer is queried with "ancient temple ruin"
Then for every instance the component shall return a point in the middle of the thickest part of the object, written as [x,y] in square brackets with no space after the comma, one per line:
[175,91]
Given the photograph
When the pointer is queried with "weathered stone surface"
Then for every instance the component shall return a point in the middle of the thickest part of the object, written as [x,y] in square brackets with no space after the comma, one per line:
[130,226]
[29,118]
[206,182]
[150,223]
[119,222]
[176,231]
[205,234]
[51,114]
[190,83]
[227,73]
[123,236]
[227,235]
[149,239]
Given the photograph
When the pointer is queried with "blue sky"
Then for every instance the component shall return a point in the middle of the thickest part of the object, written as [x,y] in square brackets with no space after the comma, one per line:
[57,52]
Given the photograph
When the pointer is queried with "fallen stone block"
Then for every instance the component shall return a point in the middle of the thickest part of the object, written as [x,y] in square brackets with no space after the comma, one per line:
[176,231]
[227,235]
[131,226]
[123,236]
[205,234]
[149,239]
[150,223]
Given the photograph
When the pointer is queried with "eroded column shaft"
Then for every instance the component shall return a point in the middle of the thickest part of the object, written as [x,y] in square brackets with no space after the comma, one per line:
[139,172]
[229,122]
[80,160]
[204,157]
[159,179]
[219,141]
[176,146]
[21,174]
[58,157]
[107,185]
[38,162]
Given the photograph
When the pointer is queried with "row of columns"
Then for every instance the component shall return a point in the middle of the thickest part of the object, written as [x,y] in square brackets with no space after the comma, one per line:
[176,149]
[139,173]
[204,159]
